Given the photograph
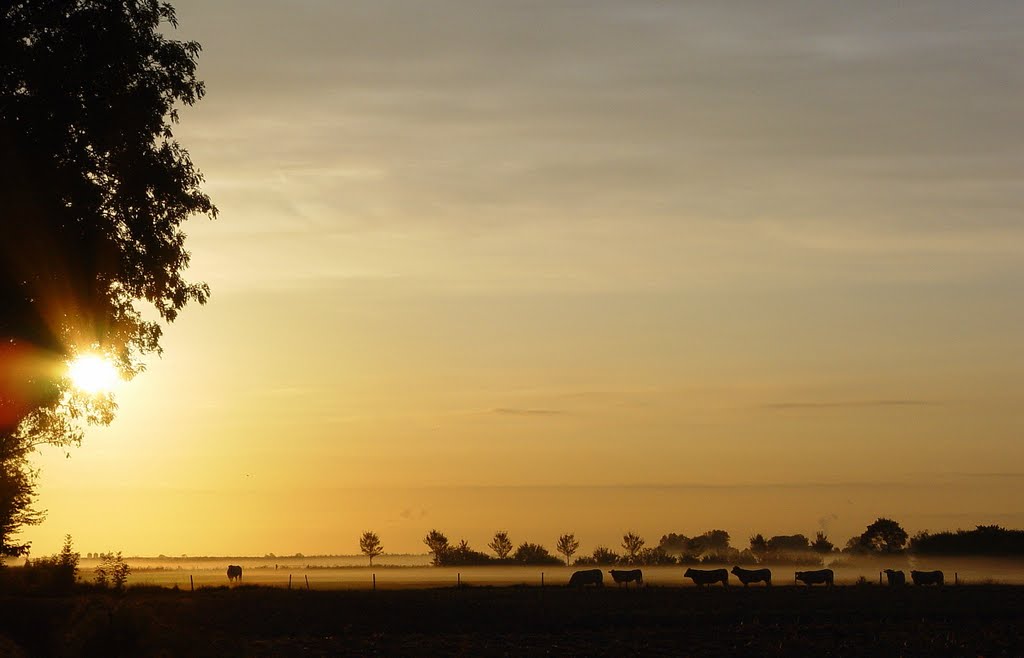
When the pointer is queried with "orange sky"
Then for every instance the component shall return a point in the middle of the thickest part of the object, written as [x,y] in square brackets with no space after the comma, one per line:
[581,267]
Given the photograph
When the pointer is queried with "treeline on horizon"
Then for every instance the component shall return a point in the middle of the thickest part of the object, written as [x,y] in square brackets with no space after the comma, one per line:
[882,538]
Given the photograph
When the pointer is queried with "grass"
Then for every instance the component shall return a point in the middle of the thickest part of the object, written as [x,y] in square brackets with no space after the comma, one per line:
[782,621]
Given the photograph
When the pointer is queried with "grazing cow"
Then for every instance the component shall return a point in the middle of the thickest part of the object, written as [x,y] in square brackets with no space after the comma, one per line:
[810,578]
[702,577]
[234,573]
[927,577]
[895,577]
[587,577]
[748,576]
[630,576]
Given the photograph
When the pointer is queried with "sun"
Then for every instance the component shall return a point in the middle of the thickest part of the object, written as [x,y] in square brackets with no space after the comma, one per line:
[93,374]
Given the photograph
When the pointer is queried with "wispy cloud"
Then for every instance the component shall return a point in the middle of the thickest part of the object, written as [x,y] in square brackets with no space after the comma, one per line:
[511,411]
[854,404]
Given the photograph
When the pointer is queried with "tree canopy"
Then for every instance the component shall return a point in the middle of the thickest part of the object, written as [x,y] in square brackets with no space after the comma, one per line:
[93,192]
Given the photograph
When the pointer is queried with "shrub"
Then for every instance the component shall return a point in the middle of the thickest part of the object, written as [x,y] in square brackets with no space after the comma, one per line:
[112,571]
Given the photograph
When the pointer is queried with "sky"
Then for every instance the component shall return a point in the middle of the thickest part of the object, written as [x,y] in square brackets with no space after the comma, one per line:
[580,266]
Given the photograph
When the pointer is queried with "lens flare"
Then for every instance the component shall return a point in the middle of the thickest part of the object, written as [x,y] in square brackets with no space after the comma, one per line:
[93,374]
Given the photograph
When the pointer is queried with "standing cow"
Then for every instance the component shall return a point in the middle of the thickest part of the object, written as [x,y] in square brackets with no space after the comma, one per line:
[809,578]
[895,578]
[627,577]
[748,576]
[587,577]
[234,573]
[927,577]
[703,577]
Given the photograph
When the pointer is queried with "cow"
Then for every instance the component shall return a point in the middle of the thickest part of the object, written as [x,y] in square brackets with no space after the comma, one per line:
[927,577]
[810,578]
[895,578]
[748,576]
[627,577]
[587,577]
[234,573]
[702,577]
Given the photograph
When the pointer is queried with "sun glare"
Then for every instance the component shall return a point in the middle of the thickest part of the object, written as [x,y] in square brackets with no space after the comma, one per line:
[93,374]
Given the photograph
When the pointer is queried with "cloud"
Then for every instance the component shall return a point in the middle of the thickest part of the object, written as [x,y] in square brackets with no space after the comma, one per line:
[854,404]
[510,411]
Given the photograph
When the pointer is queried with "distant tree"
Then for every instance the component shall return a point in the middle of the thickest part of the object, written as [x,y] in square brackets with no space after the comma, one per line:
[528,553]
[821,544]
[501,544]
[605,556]
[93,192]
[632,543]
[369,544]
[783,544]
[112,571]
[712,542]
[463,554]
[567,546]
[883,536]
[674,544]
[759,547]
[983,540]
[654,557]
[437,544]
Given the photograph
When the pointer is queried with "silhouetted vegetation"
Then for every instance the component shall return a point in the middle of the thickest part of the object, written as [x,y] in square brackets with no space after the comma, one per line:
[112,571]
[527,553]
[437,545]
[93,194]
[988,540]
[55,574]
[602,556]
[501,544]
[370,546]
[567,546]
[631,543]
[883,537]
[821,544]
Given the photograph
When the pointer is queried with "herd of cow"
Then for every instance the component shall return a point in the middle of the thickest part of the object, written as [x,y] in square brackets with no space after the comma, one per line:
[706,577]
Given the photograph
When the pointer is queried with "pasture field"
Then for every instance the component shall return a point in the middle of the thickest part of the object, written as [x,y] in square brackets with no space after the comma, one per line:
[412,572]
[865,620]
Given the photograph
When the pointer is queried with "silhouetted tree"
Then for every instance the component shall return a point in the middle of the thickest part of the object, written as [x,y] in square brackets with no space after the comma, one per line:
[93,194]
[605,556]
[653,557]
[437,544]
[369,544]
[783,544]
[567,546]
[759,547]
[17,489]
[463,554]
[983,540]
[528,553]
[883,536]
[674,544]
[112,571]
[501,544]
[631,543]
[821,544]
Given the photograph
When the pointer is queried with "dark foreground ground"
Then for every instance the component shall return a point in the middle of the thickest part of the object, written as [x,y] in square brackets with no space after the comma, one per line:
[983,620]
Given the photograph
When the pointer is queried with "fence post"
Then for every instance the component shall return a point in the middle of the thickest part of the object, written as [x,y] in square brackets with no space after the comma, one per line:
[956,578]
[307,582]
[458,579]
[542,579]
[191,583]
[879,577]
[289,581]
[374,576]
